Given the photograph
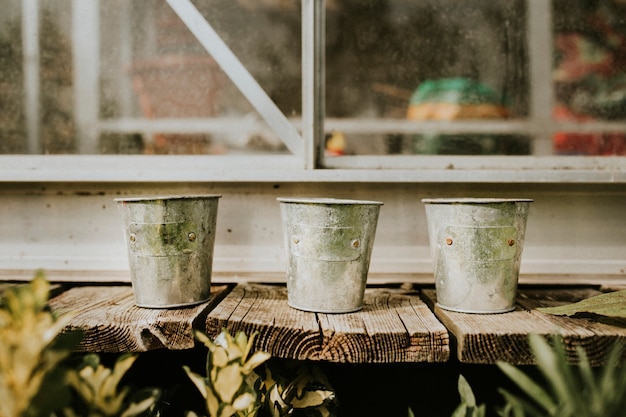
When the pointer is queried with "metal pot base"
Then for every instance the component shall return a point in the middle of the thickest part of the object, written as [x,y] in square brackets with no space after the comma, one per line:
[324,311]
[169,306]
[461,310]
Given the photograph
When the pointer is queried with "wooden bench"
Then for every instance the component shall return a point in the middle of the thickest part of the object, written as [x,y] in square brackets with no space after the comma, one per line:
[398,324]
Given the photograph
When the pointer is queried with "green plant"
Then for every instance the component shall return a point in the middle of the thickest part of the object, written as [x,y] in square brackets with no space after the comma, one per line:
[228,386]
[290,387]
[98,388]
[35,374]
[468,406]
[237,385]
[566,390]
[29,348]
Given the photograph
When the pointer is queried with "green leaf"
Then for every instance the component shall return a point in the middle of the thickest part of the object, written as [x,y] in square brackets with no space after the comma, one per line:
[276,405]
[122,365]
[611,304]
[203,338]
[468,407]
[465,392]
[140,405]
[518,407]
[553,365]
[587,376]
[534,391]
[198,381]
[228,382]
[52,396]
[255,360]
[460,411]
[309,389]
[244,402]
[567,390]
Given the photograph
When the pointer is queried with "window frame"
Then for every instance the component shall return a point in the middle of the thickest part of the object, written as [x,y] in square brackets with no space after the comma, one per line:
[78,187]
[304,135]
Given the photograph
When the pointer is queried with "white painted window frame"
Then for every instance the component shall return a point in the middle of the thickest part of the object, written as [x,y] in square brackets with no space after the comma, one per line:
[303,137]
[56,211]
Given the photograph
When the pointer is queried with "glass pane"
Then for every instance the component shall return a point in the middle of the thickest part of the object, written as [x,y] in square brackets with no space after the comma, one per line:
[461,73]
[46,67]
[12,129]
[173,76]
[445,77]
[590,75]
[428,61]
[150,87]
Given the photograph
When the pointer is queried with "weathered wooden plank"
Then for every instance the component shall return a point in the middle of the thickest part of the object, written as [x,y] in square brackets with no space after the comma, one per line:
[486,338]
[428,335]
[394,326]
[595,334]
[345,338]
[282,331]
[111,322]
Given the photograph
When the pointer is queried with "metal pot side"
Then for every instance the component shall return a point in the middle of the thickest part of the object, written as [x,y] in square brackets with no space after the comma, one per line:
[476,245]
[170,242]
[329,244]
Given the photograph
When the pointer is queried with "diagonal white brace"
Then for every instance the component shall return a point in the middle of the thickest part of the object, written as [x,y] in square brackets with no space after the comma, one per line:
[238,74]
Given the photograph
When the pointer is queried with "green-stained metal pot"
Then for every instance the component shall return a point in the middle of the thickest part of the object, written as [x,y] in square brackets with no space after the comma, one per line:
[476,245]
[329,244]
[170,243]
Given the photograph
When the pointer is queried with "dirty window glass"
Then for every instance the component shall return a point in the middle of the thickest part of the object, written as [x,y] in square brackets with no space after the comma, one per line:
[402,78]
[149,87]
[442,61]
[590,74]
[448,65]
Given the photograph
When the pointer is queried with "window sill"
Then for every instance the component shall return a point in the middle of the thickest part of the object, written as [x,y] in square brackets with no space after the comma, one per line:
[288,169]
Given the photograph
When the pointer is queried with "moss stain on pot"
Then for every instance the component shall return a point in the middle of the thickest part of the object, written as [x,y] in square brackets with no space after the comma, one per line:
[163,239]
[476,244]
[329,244]
[170,244]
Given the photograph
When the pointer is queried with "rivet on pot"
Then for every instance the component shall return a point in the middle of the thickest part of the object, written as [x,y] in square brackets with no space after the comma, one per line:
[356,243]
[511,242]
[296,240]
[449,241]
[191,236]
[133,238]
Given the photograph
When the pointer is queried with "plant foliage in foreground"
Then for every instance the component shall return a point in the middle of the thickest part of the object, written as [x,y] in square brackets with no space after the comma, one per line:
[295,388]
[28,353]
[35,378]
[227,387]
[40,378]
[101,393]
[468,406]
[237,385]
[566,390]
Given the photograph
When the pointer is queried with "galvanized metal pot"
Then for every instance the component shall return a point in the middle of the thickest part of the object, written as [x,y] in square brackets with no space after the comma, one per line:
[476,244]
[170,243]
[329,243]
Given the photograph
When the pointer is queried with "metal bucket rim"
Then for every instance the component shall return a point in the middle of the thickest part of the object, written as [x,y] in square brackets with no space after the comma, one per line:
[166,197]
[327,201]
[471,200]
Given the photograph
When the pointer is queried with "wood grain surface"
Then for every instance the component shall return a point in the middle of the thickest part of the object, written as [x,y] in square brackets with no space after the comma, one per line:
[393,326]
[486,338]
[110,321]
